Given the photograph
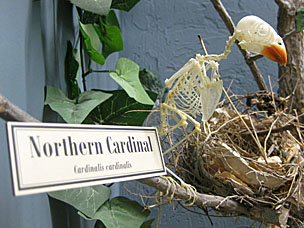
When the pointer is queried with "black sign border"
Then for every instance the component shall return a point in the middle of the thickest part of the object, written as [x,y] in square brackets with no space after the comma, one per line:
[16,125]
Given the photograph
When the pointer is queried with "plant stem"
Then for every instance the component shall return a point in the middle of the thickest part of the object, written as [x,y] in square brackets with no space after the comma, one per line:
[159,209]
[96,71]
[103,71]
[83,74]
[87,73]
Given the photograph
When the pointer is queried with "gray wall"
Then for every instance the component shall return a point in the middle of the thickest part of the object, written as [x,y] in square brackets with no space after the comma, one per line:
[158,34]
[162,36]
[33,44]
[22,81]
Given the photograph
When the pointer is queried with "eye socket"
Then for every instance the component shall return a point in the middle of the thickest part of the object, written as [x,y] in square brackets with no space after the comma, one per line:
[279,43]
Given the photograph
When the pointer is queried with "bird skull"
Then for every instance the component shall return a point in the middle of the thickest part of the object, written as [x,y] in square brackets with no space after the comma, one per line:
[256,35]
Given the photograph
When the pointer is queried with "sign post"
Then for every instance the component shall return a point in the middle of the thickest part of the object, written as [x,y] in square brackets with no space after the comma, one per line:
[50,157]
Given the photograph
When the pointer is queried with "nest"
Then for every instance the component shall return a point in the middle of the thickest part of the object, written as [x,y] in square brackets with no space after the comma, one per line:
[251,153]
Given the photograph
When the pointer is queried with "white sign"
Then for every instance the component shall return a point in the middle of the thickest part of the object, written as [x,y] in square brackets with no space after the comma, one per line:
[50,157]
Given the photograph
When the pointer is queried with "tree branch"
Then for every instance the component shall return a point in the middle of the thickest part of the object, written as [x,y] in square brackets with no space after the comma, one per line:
[11,112]
[230,25]
[284,4]
[262,214]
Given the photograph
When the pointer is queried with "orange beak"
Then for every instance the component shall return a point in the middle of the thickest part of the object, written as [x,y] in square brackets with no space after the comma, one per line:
[276,53]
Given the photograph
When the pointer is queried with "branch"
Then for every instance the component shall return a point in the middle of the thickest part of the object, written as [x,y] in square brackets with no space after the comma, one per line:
[274,130]
[11,112]
[262,214]
[284,4]
[230,25]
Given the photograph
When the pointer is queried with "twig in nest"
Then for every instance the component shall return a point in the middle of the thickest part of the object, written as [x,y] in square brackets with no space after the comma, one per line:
[253,137]
[274,130]
[263,153]
[272,95]
[298,128]
[202,43]
[268,135]
[293,188]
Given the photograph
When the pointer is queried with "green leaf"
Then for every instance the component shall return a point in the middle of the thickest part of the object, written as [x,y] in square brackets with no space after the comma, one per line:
[100,7]
[99,224]
[125,5]
[151,81]
[74,111]
[92,34]
[147,224]
[121,212]
[109,34]
[127,76]
[87,199]
[111,40]
[299,19]
[89,17]
[111,19]
[120,109]
[71,67]
[91,42]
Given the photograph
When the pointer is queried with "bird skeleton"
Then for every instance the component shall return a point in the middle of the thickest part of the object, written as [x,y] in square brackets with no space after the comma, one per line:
[195,89]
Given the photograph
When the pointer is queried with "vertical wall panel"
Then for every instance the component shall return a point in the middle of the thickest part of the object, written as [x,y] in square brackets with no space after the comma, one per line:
[21,72]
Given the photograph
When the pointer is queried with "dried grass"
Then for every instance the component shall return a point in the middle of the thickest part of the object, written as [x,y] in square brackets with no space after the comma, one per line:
[251,150]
